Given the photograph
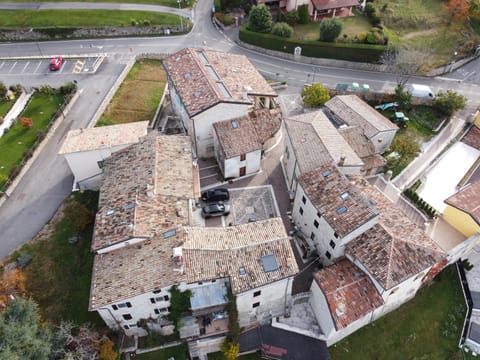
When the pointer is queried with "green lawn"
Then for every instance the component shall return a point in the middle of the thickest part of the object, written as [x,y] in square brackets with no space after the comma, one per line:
[178,352]
[171,3]
[19,139]
[82,18]
[58,278]
[5,106]
[139,95]
[427,327]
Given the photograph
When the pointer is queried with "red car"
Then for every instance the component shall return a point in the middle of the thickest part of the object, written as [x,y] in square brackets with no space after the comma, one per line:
[56,63]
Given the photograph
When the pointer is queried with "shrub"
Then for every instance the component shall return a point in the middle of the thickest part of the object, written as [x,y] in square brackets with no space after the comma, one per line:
[282,29]
[375,20]
[225,19]
[330,29]
[369,10]
[291,17]
[146,22]
[448,102]
[303,16]
[315,95]
[260,19]
[361,37]
[3,91]
[371,38]
[46,90]
[133,21]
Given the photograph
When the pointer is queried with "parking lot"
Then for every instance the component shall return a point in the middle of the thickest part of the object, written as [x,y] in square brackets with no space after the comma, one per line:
[248,204]
[40,66]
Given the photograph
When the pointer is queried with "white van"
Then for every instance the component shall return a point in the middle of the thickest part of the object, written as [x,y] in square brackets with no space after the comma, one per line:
[420,91]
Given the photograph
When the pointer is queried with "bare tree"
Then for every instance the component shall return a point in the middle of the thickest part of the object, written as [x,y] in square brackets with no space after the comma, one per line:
[406,61]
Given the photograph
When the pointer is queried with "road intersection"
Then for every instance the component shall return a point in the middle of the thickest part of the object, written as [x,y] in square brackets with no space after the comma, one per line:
[48,182]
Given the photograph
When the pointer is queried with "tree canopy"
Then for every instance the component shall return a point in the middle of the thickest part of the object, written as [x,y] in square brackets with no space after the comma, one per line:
[448,102]
[315,95]
[260,19]
[330,29]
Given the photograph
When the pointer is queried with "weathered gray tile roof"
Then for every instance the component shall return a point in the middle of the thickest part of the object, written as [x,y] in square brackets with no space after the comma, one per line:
[336,200]
[204,78]
[394,249]
[103,137]
[319,126]
[355,111]
[354,136]
[145,190]
[467,200]
[237,136]
[134,270]
[237,252]
[349,291]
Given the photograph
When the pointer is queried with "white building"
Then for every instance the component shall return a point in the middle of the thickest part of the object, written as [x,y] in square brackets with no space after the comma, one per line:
[312,141]
[330,212]
[209,86]
[86,150]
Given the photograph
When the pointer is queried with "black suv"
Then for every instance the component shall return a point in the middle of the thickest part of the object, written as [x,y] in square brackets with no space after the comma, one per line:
[218,209]
[215,195]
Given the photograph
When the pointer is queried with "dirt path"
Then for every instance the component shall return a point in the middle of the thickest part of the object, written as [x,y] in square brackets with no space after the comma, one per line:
[418,33]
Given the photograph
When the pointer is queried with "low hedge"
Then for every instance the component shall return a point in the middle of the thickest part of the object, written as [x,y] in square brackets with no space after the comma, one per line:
[341,51]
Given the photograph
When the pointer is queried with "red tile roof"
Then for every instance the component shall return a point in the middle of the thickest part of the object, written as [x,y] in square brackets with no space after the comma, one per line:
[472,137]
[467,200]
[349,291]
[237,136]
[394,249]
[266,123]
[325,193]
[204,78]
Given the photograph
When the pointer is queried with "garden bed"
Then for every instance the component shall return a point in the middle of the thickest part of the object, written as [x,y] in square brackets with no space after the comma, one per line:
[139,96]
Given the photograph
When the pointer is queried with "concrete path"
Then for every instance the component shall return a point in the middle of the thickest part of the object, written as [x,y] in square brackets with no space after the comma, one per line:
[187,13]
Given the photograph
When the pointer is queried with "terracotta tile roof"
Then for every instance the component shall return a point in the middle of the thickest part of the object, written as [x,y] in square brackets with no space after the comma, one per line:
[355,111]
[133,270]
[349,291]
[354,136]
[204,78]
[316,142]
[472,137]
[394,249]
[103,137]
[266,122]
[143,183]
[334,4]
[467,200]
[236,136]
[336,200]
[238,252]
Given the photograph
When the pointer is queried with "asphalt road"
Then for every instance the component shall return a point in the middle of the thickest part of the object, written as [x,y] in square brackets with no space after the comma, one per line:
[49,181]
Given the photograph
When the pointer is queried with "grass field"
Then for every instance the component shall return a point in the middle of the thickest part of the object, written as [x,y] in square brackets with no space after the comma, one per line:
[58,278]
[427,327]
[139,95]
[19,139]
[81,18]
[171,3]
[5,106]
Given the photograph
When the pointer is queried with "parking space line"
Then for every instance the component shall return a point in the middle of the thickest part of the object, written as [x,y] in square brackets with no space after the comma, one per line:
[39,63]
[11,69]
[3,63]
[28,63]
[63,65]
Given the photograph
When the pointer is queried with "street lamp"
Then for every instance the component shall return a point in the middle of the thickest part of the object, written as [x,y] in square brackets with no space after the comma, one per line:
[181,19]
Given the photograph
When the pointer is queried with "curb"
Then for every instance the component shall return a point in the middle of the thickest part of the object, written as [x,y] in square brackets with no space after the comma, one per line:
[38,150]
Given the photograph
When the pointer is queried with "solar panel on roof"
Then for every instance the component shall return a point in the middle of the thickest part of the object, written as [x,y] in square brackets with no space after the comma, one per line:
[223,90]
[341,210]
[327,172]
[213,73]
[269,263]
[202,57]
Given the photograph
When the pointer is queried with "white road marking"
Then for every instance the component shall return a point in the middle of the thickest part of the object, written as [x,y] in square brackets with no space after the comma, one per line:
[39,63]
[11,69]
[28,63]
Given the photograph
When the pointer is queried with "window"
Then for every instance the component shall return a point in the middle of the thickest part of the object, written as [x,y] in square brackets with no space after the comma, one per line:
[257,304]
[100,164]
[327,172]
[166,298]
[169,233]
[157,291]
[214,280]
[114,307]
[200,283]
[127,316]
[125,327]
[301,211]
[257,293]
[312,236]
[328,255]
[341,210]
[157,311]
[315,223]
[152,300]
[319,215]
[336,235]
[287,152]
[125,304]
[304,200]
[243,157]
[332,244]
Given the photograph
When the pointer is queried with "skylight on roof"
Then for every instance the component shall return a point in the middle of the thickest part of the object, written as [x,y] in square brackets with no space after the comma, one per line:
[109,212]
[213,73]
[197,94]
[130,206]
[269,263]
[202,56]
[223,90]
[187,75]
[242,271]
[327,172]
[234,124]
[341,210]
[345,195]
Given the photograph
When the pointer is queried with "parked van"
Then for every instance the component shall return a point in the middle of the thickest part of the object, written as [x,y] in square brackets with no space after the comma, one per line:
[420,91]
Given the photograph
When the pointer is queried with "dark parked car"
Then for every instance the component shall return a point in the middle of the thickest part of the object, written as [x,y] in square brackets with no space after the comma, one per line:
[215,195]
[218,209]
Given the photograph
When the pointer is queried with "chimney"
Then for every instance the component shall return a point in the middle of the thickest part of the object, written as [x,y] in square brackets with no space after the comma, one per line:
[341,162]
[388,175]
